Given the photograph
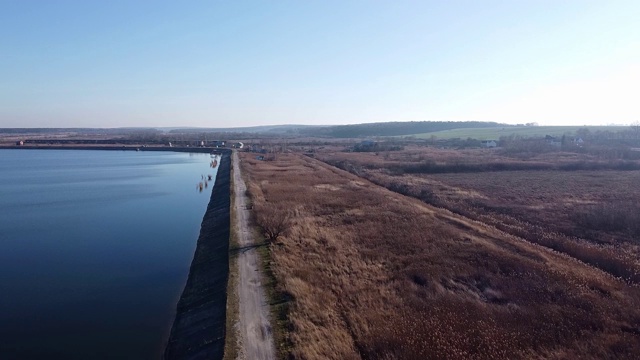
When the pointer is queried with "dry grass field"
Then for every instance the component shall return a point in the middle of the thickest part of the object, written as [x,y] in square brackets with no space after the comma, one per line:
[368,273]
[591,215]
[419,159]
[601,206]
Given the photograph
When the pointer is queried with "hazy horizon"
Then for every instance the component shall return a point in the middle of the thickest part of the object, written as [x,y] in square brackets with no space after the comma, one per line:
[219,65]
[291,125]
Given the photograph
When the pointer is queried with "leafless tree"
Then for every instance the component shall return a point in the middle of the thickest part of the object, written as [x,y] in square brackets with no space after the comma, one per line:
[275,222]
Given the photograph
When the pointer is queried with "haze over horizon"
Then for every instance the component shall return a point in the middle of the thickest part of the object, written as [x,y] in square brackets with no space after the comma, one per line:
[250,63]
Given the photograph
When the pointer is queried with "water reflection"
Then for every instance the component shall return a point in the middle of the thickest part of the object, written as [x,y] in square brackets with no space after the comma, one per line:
[95,248]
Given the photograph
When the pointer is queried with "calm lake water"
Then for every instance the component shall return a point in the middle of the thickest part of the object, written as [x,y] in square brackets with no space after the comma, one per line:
[95,248]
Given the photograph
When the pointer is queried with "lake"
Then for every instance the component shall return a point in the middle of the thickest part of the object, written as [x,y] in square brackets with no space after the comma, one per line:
[95,248]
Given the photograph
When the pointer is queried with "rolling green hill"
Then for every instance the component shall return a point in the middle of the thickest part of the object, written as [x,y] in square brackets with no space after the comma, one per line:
[394,128]
[494,133]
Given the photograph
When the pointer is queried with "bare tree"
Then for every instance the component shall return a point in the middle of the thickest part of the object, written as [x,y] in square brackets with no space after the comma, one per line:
[275,222]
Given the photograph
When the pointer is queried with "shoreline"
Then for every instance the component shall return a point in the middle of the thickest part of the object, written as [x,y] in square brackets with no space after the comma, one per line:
[119,147]
[199,328]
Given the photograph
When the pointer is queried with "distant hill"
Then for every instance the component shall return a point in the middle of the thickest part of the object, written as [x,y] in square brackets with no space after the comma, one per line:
[421,129]
[266,129]
[270,129]
[494,133]
[395,128]
[86,131]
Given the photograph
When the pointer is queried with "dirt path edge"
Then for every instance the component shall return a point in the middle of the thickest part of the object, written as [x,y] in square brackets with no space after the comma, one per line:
[256,336]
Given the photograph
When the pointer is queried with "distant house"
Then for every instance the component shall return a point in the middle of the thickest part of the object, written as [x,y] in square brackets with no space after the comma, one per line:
[578,141]
[20,143]
[489,143]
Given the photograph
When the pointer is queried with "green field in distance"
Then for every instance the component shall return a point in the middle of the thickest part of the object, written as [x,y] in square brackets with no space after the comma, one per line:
[494,133]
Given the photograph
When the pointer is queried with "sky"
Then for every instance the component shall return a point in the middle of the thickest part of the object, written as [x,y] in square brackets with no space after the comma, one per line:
[123,63]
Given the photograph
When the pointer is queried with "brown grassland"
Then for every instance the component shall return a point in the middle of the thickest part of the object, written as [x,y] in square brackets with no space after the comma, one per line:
[369,273]
[592,215]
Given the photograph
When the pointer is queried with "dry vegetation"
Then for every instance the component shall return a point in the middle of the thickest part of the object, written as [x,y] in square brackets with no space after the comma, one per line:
[424,160]
[371,274]
[591,215]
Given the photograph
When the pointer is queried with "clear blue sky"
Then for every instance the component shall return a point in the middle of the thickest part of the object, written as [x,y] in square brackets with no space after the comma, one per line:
[240,63]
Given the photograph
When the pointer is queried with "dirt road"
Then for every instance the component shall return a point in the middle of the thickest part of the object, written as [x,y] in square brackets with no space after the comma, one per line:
[255,334]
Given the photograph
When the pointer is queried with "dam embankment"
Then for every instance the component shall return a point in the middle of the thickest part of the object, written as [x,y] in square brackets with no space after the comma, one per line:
[198,331]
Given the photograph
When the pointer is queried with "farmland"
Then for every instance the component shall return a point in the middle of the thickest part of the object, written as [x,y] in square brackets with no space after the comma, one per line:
[365,271]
